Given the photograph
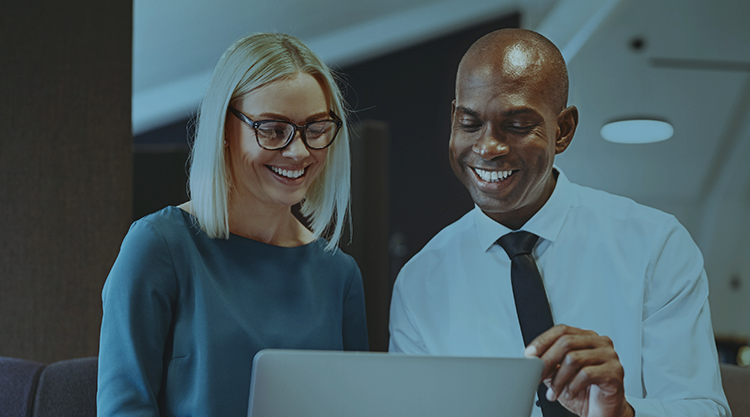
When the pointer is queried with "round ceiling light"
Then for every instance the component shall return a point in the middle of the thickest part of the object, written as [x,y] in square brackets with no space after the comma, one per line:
[637,131]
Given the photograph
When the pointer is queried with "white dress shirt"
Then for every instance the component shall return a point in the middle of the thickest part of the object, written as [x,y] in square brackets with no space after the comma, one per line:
[610,265]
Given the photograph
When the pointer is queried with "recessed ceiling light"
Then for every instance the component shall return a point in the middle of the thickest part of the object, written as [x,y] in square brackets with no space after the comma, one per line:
[637,131]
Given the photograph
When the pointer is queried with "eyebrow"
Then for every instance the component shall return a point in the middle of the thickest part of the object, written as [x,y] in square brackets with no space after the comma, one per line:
[515,112]
[509,113]
[468,111]
[276,116]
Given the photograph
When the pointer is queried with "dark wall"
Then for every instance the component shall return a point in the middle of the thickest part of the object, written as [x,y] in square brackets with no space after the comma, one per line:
[160,171]
[65,170]
[411,90]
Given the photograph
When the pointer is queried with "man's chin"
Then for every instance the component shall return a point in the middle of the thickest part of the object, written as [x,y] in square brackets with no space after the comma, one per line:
[492,206]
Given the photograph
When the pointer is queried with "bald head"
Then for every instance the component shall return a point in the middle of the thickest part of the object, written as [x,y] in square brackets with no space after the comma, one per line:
[519,56]
[509,120]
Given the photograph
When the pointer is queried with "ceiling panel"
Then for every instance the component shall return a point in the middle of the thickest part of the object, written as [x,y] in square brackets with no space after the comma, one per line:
[177,43]
[610,80]
[176,38]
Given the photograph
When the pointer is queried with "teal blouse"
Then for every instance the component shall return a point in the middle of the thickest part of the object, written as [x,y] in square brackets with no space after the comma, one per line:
[184,315]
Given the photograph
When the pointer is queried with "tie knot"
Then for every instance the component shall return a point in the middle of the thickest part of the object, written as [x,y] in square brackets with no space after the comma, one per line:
[516,243]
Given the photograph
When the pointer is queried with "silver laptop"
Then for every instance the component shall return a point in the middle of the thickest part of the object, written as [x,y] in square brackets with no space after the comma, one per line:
[306,383]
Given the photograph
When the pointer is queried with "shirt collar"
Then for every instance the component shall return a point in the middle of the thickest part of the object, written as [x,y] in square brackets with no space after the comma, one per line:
[546,223]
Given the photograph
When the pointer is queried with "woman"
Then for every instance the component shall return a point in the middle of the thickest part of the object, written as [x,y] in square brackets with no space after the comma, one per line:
[198,289]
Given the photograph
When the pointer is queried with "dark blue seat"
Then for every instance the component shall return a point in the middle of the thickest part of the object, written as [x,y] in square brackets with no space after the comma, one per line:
[18,382]
[67,389]
[62,389]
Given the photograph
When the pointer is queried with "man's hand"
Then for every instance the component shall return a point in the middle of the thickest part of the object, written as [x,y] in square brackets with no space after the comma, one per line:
[582,372]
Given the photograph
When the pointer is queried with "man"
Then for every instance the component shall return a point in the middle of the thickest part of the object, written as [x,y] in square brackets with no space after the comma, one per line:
[625,283]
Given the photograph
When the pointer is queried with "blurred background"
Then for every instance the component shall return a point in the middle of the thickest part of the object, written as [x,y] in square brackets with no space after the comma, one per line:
[100,100]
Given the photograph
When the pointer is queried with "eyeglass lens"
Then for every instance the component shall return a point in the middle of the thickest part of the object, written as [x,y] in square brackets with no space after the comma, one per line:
[275,134]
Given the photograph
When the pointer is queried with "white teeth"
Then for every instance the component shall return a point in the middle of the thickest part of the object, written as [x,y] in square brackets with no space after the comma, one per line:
[492,176]
[287,173]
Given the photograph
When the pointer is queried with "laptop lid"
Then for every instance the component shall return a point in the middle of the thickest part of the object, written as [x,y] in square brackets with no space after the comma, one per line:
[308,383]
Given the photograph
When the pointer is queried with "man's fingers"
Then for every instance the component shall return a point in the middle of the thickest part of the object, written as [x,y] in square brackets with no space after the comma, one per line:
[557,355]
[584,368]
[541,343]
[607,377]
[581,368]
[573,366]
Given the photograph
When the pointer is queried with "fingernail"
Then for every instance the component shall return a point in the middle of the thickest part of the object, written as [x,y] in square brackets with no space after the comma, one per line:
[530,351]
[550,394]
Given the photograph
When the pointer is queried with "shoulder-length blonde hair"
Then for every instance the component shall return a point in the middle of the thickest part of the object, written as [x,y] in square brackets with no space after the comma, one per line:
[250,63]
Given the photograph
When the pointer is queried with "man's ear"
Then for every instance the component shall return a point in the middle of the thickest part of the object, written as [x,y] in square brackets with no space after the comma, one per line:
[453,109]
[567,121]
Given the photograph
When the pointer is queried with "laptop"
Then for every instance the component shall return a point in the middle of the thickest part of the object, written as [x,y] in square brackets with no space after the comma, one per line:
[308,383]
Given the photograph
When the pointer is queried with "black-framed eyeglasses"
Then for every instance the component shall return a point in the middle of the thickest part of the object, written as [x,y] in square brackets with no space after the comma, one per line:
[278,134]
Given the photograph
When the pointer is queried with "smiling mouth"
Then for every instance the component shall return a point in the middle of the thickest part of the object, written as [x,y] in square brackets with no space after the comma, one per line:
[287,173]
[492,176]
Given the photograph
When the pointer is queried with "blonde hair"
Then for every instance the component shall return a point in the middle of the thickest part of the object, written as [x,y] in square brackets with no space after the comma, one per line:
[250,63]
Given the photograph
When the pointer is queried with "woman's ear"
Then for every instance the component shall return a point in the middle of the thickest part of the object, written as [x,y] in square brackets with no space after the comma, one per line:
[227,128]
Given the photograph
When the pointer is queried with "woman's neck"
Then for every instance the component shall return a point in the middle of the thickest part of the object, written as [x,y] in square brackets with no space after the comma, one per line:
[274,225]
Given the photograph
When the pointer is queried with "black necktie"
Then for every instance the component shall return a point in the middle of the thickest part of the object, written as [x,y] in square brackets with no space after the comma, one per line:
[532,306]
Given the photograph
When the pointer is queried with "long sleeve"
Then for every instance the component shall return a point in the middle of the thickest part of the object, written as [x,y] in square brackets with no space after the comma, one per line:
[185,314]
[609,265]
[404,335]
[138,298]
[679,361]
[355,323]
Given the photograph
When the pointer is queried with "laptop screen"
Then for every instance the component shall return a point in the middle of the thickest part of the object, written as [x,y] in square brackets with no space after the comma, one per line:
[306,383]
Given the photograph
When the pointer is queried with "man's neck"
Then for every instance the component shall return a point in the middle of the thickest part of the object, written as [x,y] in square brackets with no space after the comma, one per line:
[516,219]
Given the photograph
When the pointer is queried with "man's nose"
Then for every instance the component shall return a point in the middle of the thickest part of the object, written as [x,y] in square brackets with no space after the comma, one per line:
[491,145]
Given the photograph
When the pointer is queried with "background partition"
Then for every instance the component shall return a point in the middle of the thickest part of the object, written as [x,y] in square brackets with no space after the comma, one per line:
[65,170]
[369,242]
[411,90]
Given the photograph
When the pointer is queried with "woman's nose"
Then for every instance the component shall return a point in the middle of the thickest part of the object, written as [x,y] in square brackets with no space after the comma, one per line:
[297,148]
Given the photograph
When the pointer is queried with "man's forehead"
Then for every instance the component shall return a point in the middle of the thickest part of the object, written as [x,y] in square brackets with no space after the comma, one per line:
[520,61]
[508,99]
[507,76]
[516,63]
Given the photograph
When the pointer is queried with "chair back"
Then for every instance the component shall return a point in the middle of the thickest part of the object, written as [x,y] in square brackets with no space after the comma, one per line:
[736,382]
[67,389]
[18,381]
